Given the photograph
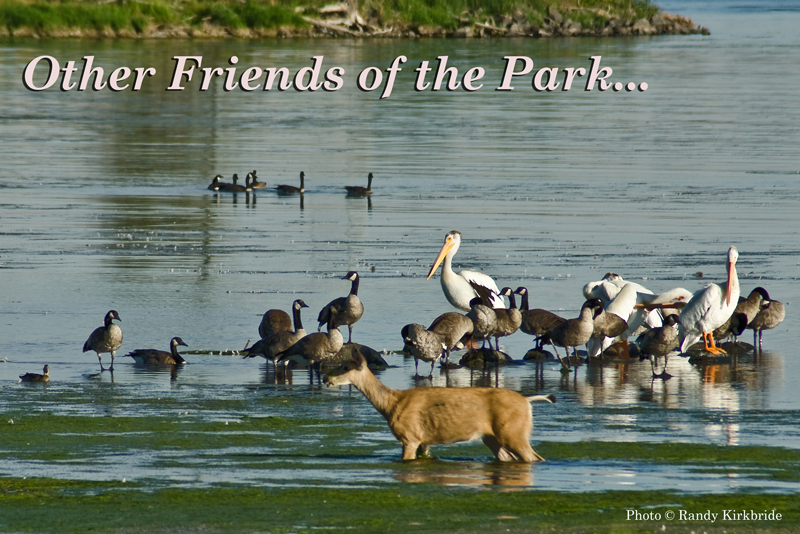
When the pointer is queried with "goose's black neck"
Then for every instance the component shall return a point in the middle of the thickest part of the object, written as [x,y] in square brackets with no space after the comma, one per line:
[354,287]
[298,324]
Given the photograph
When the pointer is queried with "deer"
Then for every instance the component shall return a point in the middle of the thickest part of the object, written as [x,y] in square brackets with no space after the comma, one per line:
[421,417]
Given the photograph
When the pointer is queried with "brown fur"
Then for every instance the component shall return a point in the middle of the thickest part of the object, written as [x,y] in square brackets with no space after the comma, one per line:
[421,417]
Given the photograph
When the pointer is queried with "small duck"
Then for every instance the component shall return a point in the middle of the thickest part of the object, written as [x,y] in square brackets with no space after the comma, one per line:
[160,357]
[358,191]
[35,377]
[290,189]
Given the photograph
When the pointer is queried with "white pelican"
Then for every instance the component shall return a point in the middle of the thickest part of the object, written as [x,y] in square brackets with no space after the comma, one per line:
[456,287]
[709,308]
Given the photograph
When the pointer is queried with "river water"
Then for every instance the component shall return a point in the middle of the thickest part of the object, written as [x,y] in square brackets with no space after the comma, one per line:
[103,205]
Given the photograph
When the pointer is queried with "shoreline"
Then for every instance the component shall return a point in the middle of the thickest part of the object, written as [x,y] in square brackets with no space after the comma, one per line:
[248,20]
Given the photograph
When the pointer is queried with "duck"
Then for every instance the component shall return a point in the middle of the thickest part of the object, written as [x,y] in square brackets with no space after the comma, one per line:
[107,338]
[344,310]
[160,357]
[358,191]
[290,189]
[35,377]
[254,183]
[424,345]
[270,347]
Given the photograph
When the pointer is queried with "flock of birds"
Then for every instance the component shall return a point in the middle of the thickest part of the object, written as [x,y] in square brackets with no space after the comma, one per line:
[252,183]
[614,310]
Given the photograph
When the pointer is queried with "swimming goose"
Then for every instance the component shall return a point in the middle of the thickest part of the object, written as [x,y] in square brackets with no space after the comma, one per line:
[35,377]
[107,338]
[358,191]
[459,288]
[289,189]
[254,183]
[344,310]
[278,342]
[709,308]
[160,357]
[424,344]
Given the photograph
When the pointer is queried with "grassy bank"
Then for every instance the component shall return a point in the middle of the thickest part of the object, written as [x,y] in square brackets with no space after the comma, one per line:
[392,18]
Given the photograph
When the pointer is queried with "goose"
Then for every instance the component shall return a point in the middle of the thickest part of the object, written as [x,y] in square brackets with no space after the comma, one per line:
[573,332]
[35,377]
[484,321]
[771,315]
[358,191]
[274,321]
[160,357]
[536,322]
[254,183]
[508,320]
[344,310]
[659,341]
[107,338]
[278,342]
[315,348]
[425,345]
[459,288]
[453,328]
[709,308]
[216,183]
[289,189]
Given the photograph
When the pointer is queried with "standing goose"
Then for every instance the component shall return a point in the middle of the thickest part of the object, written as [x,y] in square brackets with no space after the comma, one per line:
[508,320]
[536,322]
[160,357]
[270,347]
[424,344]
[274,321]
[254,183]
[315,348]
[453,328]
[344,310]
[358,191]
[771,315]
[484,321]
[289,189]
[709,308]
[616,318]
[573,332]
[458,288]
[36,377]
[107,338]
[659,341]
[748,308]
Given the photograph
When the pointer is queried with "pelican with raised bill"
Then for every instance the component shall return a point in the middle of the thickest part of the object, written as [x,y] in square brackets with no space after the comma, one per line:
[458,287]
[709,308]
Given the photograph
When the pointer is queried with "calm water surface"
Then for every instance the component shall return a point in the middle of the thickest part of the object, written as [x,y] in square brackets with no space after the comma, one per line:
[103,204]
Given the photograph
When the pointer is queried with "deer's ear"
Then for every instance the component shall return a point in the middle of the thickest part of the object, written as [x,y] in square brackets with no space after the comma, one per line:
[359,359]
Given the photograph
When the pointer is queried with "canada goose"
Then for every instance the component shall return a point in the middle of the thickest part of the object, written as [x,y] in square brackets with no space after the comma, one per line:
[315,348]
[536,322]
[658,342]
[508,320]
[278,342]
[358,191]
[216,183]
[611,322]
[771,315]
[254,183]
[574,332]
[35,377]
[484,321]
[424,344]
[274,321]
[107,338]
[344,310]
[160,357]
[289,189]
[709,308]
[748,307]
[453,328]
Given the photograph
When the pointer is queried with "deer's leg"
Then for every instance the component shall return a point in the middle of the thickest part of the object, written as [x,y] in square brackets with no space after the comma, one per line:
[410,450]
[499,451]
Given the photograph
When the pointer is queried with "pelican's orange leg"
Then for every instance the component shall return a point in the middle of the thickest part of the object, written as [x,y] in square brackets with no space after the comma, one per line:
[712,348]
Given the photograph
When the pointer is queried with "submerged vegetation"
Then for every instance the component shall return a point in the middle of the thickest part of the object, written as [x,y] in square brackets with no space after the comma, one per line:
[393,18]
